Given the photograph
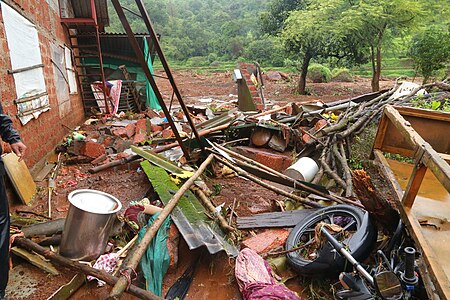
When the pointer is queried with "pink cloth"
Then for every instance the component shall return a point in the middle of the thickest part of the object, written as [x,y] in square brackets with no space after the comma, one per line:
[105,262]
[255,280]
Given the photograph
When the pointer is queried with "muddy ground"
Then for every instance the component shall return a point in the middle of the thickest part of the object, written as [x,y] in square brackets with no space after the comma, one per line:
[215,277]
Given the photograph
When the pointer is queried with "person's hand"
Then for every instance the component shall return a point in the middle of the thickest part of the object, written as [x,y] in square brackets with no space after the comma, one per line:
[19,149]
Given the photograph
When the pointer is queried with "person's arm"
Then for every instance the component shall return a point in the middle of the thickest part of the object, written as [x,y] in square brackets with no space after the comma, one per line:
[10,135]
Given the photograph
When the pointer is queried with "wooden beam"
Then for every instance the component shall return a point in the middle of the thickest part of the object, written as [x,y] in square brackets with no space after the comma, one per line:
[433,270]
[413,185]
[431,158]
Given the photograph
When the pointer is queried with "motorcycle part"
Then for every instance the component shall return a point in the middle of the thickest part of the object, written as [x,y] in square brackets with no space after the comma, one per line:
[388,285]
[362,235]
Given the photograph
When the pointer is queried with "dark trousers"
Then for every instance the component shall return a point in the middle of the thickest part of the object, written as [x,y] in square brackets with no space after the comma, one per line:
[4,236]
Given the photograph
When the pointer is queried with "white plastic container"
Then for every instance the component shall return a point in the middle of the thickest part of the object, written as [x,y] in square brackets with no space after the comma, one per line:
[303,169]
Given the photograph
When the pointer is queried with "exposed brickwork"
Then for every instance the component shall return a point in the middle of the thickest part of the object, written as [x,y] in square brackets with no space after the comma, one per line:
[43,134]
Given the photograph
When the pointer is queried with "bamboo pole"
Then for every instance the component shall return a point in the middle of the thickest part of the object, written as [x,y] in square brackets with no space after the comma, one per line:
[121,284]
[210,207]
[100,274]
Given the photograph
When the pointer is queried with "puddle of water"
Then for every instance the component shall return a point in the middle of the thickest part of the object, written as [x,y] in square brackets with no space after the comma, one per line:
[433,201]
[21,285]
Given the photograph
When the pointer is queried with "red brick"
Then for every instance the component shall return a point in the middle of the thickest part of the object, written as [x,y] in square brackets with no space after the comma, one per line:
[167,133]
[93,150]
[266,241]
[120,132]
[274,160]
[320,124]
[130,129]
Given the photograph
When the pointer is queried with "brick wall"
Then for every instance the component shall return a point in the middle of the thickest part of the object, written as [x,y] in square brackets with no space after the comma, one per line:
[40,135]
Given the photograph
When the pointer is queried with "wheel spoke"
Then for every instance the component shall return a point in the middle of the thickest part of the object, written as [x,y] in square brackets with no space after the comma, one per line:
[349,224]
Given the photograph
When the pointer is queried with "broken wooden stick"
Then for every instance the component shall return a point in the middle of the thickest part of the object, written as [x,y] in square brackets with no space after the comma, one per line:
[212,210]
[279,191]
[66,262]
[132,264]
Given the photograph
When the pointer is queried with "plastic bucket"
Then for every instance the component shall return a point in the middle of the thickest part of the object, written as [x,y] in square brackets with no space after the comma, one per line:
[88,224]
[304,169]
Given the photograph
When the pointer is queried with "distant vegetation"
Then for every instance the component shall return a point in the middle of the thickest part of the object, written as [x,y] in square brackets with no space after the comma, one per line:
[370,38]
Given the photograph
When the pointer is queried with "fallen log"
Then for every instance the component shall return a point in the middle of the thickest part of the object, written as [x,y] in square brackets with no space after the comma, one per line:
[121,284]
[373,202]
[46,228]
[100,274]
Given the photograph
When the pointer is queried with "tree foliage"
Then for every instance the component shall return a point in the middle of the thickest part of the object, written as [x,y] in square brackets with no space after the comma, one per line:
[317,32]
[430,50]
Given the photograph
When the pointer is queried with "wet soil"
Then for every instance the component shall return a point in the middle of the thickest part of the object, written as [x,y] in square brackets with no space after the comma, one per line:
[214,278]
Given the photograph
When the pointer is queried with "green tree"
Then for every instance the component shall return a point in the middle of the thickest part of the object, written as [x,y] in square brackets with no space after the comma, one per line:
[317,33]
[430,50]
[272,20]
[371,21]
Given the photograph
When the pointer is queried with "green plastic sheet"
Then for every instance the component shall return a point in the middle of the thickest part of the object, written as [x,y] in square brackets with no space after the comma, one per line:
[152,101]
[156,260]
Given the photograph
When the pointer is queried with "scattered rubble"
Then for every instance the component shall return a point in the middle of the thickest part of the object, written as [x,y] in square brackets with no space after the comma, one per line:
[257,146]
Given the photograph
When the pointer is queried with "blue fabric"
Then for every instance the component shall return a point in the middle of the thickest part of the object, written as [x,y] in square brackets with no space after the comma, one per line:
[156,260]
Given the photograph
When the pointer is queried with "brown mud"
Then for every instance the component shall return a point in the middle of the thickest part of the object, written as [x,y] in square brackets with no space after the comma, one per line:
[214,278]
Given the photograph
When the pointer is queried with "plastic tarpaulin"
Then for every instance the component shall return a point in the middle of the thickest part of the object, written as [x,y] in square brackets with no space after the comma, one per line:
[60,78]
[113,90]
[23,44]
[72,81]
[152,101]
[156,260]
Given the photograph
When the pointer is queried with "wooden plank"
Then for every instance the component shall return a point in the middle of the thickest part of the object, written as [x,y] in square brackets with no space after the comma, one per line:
[381,132]
[44,172]
[422,113]
[430,158]
[20,177]
[35,260]
[413,185]
[66,291]
[275,219]
[433,271]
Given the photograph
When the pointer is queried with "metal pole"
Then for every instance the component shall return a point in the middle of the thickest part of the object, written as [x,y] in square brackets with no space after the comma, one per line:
[140,57]
[94,17]
[163,60]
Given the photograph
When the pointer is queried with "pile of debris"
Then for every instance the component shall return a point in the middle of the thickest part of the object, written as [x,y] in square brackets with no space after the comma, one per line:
[320,132]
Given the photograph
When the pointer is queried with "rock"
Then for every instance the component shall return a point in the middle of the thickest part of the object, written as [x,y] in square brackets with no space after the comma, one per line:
[120,132]
[167,133]
[274,76]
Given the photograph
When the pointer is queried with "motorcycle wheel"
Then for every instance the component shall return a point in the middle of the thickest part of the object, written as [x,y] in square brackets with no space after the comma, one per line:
[361,237]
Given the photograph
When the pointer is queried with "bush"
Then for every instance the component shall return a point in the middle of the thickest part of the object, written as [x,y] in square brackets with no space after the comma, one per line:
[197,61]
[341,75]
[319,73]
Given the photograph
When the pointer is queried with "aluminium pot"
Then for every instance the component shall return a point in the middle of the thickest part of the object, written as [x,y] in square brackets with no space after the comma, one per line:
[88,224]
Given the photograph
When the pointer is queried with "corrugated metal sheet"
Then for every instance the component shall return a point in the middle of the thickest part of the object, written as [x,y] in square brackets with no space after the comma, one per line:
[113,45]
[82,9]
[189,215]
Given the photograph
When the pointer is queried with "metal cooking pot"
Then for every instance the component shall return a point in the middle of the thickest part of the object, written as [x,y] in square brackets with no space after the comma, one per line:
[88,224]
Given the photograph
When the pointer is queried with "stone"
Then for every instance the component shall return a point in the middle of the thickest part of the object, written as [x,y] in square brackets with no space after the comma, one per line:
[120,132]
[274,76]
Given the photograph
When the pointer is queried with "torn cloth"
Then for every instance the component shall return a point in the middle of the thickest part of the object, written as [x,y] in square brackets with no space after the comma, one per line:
[156,260]
[107,262]
[255,280]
